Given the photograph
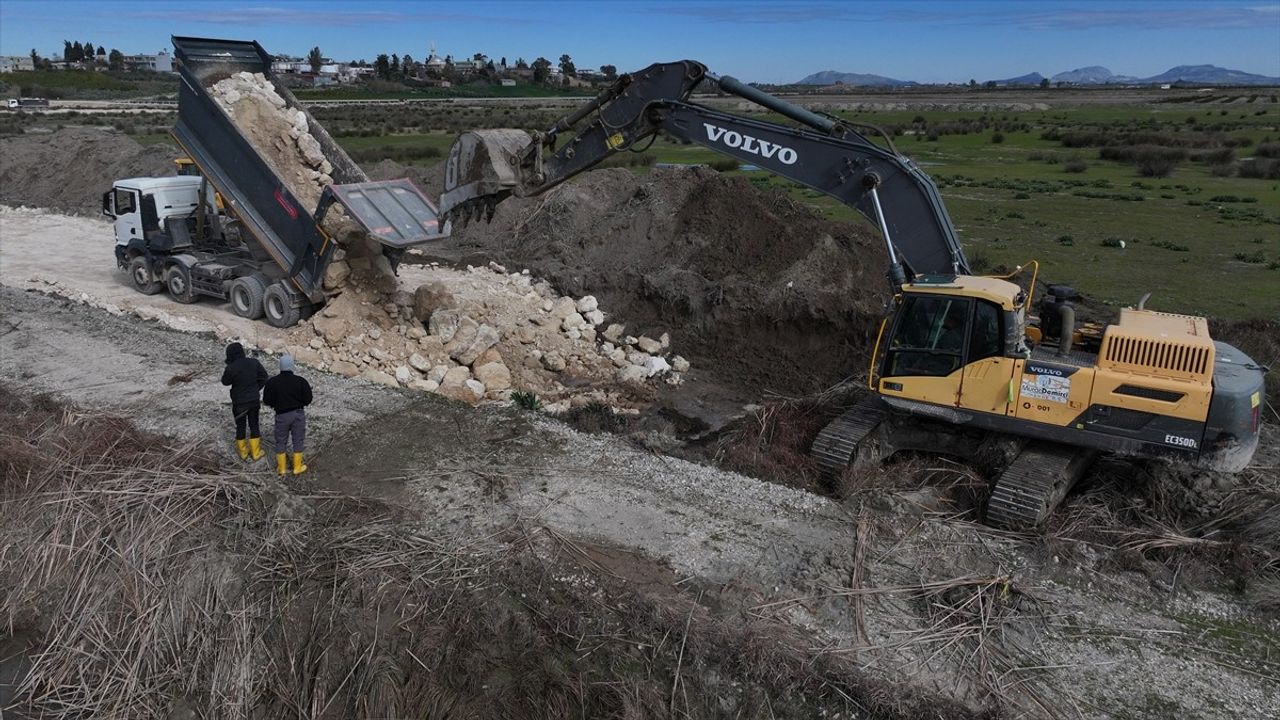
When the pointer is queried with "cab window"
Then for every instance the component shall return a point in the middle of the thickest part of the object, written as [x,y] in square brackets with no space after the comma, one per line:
[929,337]
[125,201]
[985,340]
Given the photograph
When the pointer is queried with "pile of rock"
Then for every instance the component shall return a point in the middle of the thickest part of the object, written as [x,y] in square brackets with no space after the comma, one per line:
[480,334]
[280,134]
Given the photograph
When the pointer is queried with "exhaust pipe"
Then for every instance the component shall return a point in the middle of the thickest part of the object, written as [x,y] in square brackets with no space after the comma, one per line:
[1067,315]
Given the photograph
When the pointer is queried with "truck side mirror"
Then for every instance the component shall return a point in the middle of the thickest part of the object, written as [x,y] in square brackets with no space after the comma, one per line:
[106,205]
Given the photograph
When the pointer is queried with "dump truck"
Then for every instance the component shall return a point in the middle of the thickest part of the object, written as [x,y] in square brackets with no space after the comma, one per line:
[26,103]
[227,227]
[961,360]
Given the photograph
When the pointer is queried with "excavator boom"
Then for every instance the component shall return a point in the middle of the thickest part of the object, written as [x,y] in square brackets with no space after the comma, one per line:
[825,154]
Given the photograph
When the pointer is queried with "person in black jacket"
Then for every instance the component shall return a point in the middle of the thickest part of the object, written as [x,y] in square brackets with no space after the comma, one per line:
[246,376]
[288,395]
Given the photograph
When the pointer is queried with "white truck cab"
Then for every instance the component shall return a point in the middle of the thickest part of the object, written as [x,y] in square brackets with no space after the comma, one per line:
[141,207]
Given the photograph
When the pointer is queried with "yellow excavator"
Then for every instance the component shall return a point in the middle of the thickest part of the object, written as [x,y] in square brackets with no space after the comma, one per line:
[960,359]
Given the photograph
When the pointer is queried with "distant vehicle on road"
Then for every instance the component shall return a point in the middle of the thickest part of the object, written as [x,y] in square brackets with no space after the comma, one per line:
[20,103]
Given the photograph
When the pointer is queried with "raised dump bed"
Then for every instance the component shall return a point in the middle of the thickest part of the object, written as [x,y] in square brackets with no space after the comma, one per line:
[286,242]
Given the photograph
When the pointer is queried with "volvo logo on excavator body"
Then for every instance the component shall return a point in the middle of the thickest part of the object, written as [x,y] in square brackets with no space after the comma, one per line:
[755,146]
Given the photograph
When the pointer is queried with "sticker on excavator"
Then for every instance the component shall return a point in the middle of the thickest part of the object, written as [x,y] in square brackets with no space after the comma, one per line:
[1046,387]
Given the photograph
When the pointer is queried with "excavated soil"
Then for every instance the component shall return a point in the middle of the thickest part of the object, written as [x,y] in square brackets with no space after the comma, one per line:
[761,292]
[70,169]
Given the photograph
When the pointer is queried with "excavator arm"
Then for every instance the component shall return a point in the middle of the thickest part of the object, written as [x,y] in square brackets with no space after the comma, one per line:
[825,154]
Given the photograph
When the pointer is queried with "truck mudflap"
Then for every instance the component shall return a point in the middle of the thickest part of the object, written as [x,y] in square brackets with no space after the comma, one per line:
[395,212]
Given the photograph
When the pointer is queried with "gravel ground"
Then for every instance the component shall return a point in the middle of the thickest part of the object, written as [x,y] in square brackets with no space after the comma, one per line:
[1095,642]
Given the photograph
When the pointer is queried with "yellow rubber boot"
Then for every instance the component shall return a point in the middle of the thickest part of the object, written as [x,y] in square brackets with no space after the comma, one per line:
[298,467]
[243,447]
[282,464]
[255,448]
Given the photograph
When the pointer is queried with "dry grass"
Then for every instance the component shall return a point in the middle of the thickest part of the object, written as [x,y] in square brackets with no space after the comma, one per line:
[772,442]
[1158,518]
[139,580]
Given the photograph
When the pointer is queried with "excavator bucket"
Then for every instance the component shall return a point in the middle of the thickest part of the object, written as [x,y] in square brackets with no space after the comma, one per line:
[484,167]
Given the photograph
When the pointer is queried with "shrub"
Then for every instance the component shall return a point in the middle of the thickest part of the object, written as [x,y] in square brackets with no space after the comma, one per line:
[1260,168]
[1215,157]
[1156,166]
[1066,240]
[526,400]
[997,138]
[1268,150]
[724,165]
[1112,242]
[1075,166]
[1168,245]
[1255,258]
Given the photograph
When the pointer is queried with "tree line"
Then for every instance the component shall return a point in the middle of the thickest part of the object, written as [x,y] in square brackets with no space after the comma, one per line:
[84,53]
[395,67]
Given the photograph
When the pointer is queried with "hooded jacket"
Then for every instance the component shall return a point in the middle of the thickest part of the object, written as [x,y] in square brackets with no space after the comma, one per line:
[245,375]
[287,392]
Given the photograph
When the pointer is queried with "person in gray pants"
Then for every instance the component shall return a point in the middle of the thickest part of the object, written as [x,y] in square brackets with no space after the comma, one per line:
[288,395]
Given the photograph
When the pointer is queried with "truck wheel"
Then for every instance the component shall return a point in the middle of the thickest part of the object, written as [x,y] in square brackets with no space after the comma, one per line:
[178,280]
[246,295]
[278,307]
[141,278]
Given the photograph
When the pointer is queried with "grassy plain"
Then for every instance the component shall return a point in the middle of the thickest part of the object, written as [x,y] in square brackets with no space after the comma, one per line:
[1199,240]
[1203,239]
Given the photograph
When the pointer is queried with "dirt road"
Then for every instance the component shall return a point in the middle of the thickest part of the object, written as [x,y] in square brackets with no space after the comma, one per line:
[1076,637]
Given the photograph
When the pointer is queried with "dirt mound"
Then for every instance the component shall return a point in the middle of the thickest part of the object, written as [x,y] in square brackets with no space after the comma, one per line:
[761,292]
[70,169]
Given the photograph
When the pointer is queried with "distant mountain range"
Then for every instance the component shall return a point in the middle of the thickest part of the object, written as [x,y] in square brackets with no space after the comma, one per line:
[1092,75]
[831,77]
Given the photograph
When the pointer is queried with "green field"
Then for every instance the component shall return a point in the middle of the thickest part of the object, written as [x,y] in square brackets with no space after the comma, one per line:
[87,84]
[1199,242]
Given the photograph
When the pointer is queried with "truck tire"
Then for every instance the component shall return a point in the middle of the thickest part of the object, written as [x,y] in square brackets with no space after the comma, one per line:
[140,277]
[178,279]
[245,294]
[277,305]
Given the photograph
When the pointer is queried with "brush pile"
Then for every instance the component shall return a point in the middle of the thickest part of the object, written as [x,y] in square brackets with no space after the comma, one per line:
[140,580]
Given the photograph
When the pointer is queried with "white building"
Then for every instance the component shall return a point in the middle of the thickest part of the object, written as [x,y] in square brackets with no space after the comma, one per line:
[290,66]
[434,61]
[15,63]
[160,62]
[352,73]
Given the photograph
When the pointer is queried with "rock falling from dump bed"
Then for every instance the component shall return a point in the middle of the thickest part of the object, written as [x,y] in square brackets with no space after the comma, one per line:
[283,138]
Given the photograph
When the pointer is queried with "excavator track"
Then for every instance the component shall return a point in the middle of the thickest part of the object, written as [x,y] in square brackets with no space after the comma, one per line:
[1034,483]
[837,445]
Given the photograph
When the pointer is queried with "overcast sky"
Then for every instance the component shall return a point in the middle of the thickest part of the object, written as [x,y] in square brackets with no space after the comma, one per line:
[947,41]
